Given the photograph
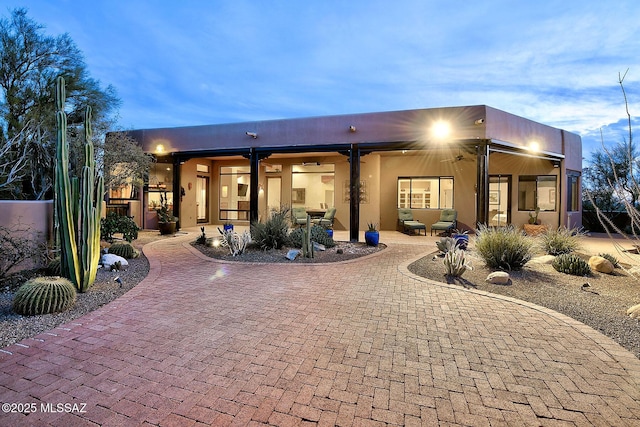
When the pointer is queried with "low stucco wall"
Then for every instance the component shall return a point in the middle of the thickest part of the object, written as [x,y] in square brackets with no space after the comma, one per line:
[35,216]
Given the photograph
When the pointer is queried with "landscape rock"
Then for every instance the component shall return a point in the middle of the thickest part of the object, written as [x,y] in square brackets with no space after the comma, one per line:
[634,312]
[108,260]
[498,278]
[293,254]
[600,264]
[543,259]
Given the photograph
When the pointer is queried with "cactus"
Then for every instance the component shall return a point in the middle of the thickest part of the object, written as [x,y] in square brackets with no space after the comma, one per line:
[446,244]
[44,295]
[53,268]
[455,263]
[307,245]
[125,250]
[78,204]
[571,264]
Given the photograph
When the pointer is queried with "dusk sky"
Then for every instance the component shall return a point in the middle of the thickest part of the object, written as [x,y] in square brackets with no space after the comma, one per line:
[182,63]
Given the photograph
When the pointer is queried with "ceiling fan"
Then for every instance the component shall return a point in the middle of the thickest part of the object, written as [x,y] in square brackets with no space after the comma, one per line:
[457,158]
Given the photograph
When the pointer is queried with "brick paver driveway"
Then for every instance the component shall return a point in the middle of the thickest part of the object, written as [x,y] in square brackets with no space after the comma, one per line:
[361,343]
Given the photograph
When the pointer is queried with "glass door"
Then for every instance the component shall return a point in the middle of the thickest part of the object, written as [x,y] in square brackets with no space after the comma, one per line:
[202,199]
[499,200]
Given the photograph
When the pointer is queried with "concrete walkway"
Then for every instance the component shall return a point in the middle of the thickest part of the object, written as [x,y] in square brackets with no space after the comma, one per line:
[200,342]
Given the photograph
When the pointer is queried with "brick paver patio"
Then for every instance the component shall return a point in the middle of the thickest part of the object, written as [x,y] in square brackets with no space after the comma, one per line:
[201,342]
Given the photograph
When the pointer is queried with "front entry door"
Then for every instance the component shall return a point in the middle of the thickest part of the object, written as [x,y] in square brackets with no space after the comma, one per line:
[499,200]
[202,199]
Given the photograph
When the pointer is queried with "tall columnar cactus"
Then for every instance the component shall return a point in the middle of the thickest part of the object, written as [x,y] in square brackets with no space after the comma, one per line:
[78,204]
[307,244]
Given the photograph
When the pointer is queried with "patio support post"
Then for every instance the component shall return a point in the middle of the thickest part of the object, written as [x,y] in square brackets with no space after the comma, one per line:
[482,199]
[254,159]
[176,188]
[354,192]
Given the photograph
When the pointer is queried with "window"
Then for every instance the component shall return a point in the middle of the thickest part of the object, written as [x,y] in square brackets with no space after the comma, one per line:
[573,191]
[160,184]
[234,192]
[313,185]
[425,192]
[537,192]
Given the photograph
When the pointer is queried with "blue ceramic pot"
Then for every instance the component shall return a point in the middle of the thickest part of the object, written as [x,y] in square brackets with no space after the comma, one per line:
[462,240]
[372,238]
[330,232]
[228,227]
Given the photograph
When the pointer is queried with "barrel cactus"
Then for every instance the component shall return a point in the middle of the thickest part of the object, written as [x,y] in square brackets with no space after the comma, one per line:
[44,295]
[571,264]
[125,250]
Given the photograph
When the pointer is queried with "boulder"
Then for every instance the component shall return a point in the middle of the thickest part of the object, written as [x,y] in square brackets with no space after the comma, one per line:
[498,278]
[634,312]
[108,260]
[601,265]
[543,259]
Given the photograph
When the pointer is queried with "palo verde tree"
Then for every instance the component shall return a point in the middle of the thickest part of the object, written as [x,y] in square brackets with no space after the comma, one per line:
[30,62]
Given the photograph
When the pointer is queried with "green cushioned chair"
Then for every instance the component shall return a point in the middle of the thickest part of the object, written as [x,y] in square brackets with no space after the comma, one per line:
[447,221]
[406,221]
[327,219]
[299,216]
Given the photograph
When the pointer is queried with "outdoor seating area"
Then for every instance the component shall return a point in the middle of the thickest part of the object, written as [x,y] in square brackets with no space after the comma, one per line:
[408,224]
[447,222]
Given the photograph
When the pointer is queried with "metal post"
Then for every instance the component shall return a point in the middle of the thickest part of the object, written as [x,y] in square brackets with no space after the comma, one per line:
[482,201]
[176,189]
[354,193]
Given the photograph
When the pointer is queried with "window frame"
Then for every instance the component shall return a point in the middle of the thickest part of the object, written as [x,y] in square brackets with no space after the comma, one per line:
[409,196]
[537,179]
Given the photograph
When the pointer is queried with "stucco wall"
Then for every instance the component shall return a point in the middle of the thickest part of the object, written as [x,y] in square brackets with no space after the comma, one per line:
[36,215]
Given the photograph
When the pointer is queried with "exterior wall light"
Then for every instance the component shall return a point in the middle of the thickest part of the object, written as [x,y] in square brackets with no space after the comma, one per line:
[352,128]
[440,130]
[252,134]
[534,146]
[159,148]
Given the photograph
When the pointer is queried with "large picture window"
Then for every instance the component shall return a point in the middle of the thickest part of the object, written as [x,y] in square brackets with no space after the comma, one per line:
[537,192]
[425,192]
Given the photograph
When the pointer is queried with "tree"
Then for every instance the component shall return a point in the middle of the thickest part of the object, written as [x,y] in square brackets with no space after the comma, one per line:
[612,180]
[124,162]
[30,62]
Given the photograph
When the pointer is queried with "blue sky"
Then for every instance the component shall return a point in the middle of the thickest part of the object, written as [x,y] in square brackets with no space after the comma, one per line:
[181,63]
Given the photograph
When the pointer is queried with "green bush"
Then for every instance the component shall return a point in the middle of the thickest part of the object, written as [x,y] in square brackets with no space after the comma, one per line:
[125,250]
[504,248]
[571,264]
[114,223]
[318,235]
[273,233]
[44,295]
[561,240]
[613,260]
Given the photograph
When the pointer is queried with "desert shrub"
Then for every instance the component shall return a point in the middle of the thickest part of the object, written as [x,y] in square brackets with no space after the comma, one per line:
[455,263]
[18,244]
[571,264]
[504,248]
[44,295]
[446,244]
[125,250]
[202,238]
[613,260]
[318,235]
[561,240]
[273,233]
[114,223]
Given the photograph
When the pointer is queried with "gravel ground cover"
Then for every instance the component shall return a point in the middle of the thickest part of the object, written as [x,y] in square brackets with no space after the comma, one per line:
[602,304]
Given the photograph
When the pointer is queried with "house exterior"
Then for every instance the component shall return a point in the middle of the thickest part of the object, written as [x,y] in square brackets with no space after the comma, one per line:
[492,167]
